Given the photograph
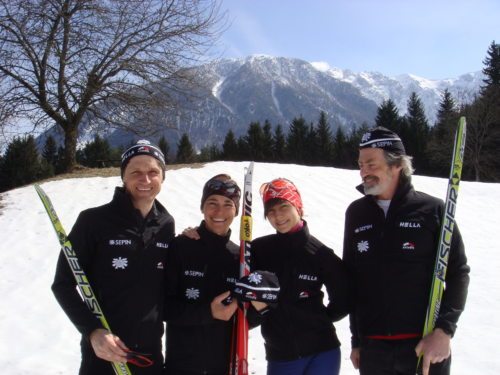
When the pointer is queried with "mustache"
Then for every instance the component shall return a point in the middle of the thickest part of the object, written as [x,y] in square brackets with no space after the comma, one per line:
[369,177]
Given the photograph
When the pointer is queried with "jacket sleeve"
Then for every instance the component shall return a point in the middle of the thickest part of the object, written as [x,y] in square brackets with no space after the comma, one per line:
[64,286]
[456,285]
[176,310]
[348,260]
[337,285]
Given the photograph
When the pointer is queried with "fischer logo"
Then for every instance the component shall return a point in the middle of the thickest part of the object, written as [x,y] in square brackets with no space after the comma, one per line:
[408,246]
[162,245]
[159,266]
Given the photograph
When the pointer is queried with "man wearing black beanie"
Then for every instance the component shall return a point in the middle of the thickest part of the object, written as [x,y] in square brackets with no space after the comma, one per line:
[122,248]
[390,244]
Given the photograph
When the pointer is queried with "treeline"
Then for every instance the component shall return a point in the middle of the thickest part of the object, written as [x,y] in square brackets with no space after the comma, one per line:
[310,143]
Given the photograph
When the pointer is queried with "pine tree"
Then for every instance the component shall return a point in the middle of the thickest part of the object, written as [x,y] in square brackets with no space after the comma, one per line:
[185,152]
[440,146]
[296,141]
[164,147]
[388,116]
[230,147]
[97,154]
[209,153]
[417,132]
[243,150]
[311,151]
[492,66]
[22,165]
[267,142]
[279,144]
[339,149]
[325,141]
[483,118]
[49,152]
[254,142]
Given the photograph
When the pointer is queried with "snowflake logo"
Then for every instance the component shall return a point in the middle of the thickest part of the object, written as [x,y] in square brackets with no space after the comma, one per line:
[363,246]
[255,278]
[120,262]
[365,137]
[192,293]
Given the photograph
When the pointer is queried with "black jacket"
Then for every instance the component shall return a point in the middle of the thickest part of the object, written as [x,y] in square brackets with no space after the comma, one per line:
[300,325]
[392,259]
[123,256]
[197,271]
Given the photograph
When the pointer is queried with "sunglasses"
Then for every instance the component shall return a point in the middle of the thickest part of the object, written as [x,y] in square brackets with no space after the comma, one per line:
[227,188]
[139,359]
[277,185]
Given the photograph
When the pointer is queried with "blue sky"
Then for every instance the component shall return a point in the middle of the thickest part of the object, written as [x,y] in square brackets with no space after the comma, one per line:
[432,39]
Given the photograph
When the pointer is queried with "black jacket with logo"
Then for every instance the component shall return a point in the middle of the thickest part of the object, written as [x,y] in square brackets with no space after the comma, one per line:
[196,272]
[123,256]
[300,324]
[392,259]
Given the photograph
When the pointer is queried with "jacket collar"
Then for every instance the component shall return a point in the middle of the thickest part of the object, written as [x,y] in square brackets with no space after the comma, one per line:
[211,238]
[123,203]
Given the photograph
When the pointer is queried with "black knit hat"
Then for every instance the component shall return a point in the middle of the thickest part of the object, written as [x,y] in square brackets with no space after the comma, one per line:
[224,185]
[383,138]
[262,286]
[142,147]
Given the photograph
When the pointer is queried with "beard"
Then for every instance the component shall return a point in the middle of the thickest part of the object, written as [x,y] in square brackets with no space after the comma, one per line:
[372,185]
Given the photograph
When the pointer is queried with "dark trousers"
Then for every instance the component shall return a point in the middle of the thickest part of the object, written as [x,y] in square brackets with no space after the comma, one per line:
[394,357]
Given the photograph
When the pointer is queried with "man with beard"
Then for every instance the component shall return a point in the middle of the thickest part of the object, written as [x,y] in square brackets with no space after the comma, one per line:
[390,243]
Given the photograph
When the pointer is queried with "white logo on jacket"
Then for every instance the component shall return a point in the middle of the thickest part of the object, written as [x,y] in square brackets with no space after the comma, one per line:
[120,242]
[194,273]
[192,293]
[409,224]
[119,262]
[363,228]
[408,246]
[308,277]
[363,246]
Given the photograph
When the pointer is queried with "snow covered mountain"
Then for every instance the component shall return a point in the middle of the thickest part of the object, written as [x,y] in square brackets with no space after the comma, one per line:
[232,93]
[378,87]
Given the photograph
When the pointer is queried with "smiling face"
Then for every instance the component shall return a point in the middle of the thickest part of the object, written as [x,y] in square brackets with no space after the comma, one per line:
[379,179]
[142,179]
[219,212]
[283,216]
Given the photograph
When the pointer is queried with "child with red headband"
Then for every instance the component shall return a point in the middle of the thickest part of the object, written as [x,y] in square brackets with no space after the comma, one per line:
[299,336]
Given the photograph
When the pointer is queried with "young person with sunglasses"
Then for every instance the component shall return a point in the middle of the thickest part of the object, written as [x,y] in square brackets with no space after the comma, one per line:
[121,246]
[299,336]
[200,274]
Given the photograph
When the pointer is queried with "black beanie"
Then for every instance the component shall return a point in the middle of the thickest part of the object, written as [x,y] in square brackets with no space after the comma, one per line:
[262,286]
[224,185]
[142,147]
[383,138]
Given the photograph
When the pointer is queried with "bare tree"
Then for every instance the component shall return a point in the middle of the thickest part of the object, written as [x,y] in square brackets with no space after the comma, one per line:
[71,61]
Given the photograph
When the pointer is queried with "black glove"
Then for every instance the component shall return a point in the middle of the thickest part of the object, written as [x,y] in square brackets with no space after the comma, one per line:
[261,286]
